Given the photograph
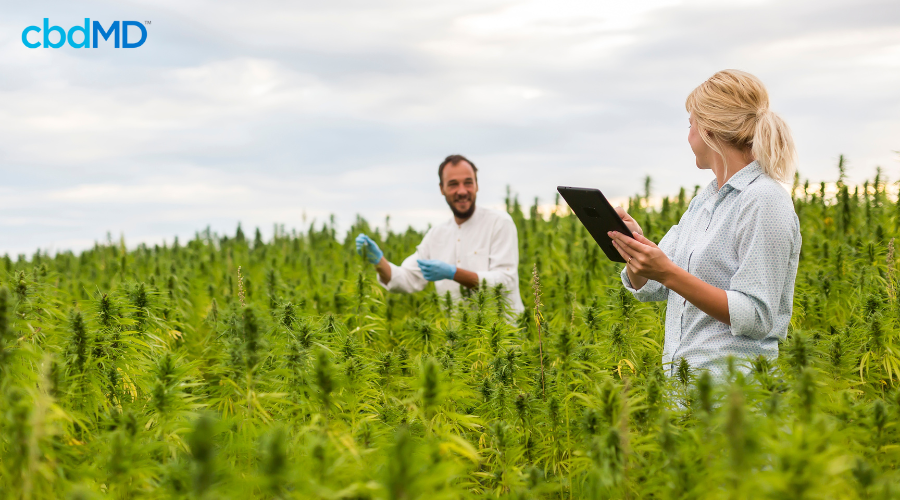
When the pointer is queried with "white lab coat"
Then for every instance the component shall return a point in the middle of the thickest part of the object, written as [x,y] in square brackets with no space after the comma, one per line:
[486,244]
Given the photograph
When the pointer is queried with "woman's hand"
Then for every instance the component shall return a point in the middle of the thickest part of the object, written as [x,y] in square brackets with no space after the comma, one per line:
[646,261]
[629,221]
[642,256]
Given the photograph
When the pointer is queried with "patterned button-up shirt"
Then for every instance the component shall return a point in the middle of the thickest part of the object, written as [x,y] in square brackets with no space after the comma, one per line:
[745,239]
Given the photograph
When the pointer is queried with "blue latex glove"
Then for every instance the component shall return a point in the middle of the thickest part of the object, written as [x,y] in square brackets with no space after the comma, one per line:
[373,253]
[436,270]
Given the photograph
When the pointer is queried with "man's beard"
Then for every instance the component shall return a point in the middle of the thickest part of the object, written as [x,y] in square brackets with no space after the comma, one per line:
[462,215]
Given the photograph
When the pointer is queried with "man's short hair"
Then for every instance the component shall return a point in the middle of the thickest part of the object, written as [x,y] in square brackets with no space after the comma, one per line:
[453,160]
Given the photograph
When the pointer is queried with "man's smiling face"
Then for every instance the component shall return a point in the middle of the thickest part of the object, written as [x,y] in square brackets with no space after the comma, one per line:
[459,186]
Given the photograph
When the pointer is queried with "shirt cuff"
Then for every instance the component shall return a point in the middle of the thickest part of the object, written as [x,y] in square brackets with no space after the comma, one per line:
[646,291]
[388,286]
[627,282]
[742,315]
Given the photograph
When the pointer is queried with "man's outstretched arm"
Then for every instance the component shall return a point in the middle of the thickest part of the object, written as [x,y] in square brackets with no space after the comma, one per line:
[404,278]
[383,268]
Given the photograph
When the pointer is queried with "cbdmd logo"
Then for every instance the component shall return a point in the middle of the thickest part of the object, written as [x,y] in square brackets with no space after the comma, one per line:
[84,37]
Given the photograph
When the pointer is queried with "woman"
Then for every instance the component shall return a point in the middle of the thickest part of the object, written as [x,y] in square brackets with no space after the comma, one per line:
[727,269]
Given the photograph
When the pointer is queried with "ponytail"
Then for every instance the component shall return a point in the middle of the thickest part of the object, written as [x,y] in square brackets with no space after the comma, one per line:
[773,146]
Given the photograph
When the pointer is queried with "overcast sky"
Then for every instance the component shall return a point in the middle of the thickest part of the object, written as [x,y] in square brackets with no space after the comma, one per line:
[283,112]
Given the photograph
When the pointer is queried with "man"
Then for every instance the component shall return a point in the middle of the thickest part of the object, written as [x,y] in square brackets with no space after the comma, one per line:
[475,245]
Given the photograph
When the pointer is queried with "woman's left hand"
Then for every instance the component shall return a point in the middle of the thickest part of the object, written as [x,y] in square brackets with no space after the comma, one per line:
[642,256]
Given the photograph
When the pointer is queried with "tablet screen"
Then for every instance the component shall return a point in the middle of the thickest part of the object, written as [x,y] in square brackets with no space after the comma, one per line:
[597,216]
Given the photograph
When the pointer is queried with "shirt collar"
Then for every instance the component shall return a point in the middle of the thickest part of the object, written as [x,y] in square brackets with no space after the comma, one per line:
[745,176]
[475,216]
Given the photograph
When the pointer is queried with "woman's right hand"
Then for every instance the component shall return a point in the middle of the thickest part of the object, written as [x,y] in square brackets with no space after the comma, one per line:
[629,221]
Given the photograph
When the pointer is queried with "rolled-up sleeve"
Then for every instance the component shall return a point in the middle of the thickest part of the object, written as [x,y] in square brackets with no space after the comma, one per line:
[768,247]
[654,291]
[407,277]
[503,260]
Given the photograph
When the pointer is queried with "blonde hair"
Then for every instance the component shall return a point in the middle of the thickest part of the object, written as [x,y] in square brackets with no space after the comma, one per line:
[734,106]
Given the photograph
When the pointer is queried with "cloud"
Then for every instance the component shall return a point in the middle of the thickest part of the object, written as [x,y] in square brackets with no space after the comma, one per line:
[266,114]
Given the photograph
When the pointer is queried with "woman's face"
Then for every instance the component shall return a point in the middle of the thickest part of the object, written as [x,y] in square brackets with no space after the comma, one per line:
[703,152]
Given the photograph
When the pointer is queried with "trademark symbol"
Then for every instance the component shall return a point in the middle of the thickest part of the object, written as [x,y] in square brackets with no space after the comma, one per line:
[146,22]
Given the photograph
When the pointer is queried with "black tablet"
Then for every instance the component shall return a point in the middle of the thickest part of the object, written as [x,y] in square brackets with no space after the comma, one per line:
[597,215]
